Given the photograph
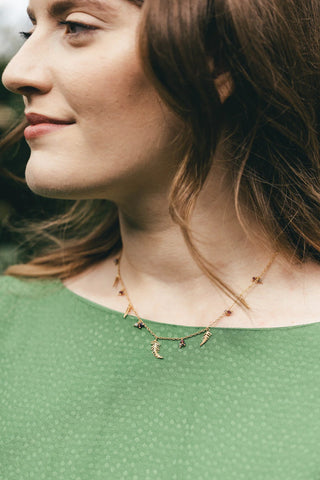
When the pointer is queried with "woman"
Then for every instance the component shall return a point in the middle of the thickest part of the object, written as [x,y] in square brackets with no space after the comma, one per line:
[187,133]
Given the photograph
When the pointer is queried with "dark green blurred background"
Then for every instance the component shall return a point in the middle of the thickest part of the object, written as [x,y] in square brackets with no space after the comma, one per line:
[17,202]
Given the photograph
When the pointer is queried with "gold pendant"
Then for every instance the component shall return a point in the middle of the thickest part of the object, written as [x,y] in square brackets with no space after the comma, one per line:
[155,348]
[129,309]
[206,337]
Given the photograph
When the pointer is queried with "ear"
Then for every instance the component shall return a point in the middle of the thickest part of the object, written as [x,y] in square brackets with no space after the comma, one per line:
[225,85]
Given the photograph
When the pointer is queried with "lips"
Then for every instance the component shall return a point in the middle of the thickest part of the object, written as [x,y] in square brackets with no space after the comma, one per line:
[36,119]
[41,125]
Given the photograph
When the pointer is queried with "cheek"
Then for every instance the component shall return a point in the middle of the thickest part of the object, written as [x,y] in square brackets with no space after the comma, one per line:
[112,90]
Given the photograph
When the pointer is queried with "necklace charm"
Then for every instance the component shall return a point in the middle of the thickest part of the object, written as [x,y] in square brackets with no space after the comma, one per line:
[129,309]
[155,348]
[182,343]
[206,337]
[257,280]
[139,325]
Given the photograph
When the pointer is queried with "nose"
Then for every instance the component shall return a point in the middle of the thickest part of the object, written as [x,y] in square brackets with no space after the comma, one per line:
[27,73]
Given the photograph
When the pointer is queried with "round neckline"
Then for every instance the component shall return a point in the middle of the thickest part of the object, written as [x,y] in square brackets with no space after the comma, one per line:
[105,309]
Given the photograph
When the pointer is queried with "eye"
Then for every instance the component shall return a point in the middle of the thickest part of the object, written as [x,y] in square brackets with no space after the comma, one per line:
[84,28]
[71,26]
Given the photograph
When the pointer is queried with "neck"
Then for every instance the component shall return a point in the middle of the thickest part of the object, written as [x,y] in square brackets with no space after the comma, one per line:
[165,283]
[154,249]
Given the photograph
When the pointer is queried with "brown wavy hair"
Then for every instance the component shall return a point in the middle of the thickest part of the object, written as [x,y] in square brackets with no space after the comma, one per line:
[271,50]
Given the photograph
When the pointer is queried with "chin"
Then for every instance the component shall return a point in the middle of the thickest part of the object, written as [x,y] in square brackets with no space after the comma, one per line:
[46,184]
[54,184]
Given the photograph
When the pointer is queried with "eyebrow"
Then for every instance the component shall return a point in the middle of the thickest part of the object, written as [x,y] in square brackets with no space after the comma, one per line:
[62,6]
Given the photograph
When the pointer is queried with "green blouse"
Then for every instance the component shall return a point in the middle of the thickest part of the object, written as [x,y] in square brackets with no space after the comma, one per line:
[83,398]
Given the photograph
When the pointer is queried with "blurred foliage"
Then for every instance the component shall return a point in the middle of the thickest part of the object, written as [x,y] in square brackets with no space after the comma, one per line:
[16,200]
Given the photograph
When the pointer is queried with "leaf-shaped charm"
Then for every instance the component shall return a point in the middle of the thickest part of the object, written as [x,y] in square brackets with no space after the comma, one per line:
[127,311]
[155,348]
[116,282]
[206,337]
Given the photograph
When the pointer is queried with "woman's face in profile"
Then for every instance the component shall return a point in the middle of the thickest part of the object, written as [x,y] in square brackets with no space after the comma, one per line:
[89,73]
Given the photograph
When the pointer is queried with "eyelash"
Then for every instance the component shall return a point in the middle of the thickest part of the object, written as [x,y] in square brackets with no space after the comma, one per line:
[26,35]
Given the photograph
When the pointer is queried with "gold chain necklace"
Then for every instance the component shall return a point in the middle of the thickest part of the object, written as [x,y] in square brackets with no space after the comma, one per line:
[155,345]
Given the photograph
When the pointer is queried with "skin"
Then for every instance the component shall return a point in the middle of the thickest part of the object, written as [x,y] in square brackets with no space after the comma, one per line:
[121,148]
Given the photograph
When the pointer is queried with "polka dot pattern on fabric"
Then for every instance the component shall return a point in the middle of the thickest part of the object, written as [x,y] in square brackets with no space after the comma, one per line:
[83,397]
